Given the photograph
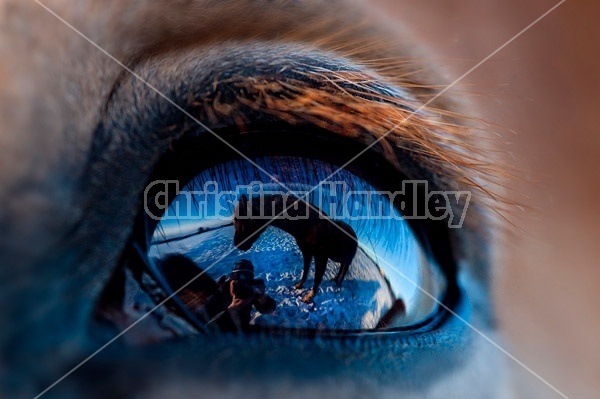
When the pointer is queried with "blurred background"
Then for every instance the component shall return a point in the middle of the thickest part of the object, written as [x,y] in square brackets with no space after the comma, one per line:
[542,92]
[539,95]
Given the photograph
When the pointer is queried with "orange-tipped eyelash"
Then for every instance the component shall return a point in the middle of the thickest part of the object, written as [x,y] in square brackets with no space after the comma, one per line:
[432,136]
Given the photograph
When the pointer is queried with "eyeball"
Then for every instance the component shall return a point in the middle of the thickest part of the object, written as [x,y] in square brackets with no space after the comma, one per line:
[366,269]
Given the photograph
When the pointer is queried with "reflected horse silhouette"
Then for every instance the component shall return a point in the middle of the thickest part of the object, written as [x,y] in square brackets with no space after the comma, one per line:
[316,234]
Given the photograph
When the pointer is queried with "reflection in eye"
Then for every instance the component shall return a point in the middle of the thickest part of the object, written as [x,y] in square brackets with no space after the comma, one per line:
[250,238]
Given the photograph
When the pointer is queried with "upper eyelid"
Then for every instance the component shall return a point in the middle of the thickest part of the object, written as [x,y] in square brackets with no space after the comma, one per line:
[289,83]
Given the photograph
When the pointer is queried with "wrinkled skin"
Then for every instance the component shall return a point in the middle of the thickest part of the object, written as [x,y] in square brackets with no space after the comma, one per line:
[69,199]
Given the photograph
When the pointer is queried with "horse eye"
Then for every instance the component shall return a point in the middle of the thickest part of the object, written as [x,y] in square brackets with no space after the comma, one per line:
[307,255]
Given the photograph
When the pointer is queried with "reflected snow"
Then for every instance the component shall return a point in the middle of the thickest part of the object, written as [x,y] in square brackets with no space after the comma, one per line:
[358,304]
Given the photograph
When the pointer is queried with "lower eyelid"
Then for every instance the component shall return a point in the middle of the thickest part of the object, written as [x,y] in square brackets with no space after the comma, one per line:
[379,356]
